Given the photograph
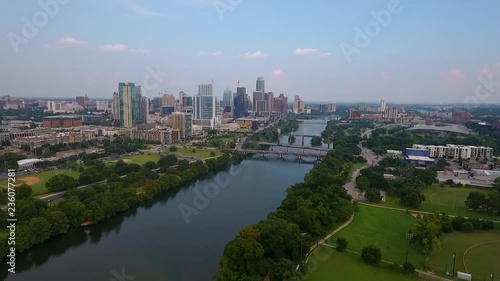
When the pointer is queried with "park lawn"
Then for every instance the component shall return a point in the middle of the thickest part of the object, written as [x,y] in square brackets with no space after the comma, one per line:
[227,138]
[450,200]
[476,253]
[348,266]
[43,177]
[199,153]
[140,159]
[385,229]
[4,232]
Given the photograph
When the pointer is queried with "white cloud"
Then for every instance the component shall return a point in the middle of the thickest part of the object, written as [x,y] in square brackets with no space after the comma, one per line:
[121,48]
[68,42]
[325,54]
[278,73]
[305,52]
[215,54]
[116,48]
[384,76]
[256,55]
[139,10]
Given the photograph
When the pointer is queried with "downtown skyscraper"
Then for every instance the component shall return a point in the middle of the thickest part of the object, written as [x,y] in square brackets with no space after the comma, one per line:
[129,106]
[260,85]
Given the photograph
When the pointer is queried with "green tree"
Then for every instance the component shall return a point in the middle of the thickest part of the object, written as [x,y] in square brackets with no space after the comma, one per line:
[341,244]
[282,270]
[74,212]
[24,238]
[411,197]
[373,195]
[60,183]
[173,148]
[212,153]
[23,191]
[29,208]
[40,229]
[371,254]
[362,182]
[316,141]
[93,213]
[58,221]
[475,200]
[150,165]
[426,232]
[168,160]
[497,183]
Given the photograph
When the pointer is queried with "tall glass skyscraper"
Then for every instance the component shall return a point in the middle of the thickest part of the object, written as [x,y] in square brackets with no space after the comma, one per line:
[227,99]
[260,85]
[131,107]
[205,111]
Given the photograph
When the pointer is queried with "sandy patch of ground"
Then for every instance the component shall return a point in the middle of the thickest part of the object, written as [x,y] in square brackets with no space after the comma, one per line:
[31,180]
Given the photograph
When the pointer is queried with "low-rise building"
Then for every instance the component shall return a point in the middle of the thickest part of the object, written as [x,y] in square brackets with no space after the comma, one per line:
[452,151]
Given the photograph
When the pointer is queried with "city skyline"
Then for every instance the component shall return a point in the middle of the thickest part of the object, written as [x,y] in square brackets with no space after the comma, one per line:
[439,64]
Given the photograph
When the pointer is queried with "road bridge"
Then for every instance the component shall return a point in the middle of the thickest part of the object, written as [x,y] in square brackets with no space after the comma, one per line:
[273,145]
[281,154]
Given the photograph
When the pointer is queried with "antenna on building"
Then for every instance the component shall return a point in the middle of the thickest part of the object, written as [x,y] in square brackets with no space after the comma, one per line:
[238,83]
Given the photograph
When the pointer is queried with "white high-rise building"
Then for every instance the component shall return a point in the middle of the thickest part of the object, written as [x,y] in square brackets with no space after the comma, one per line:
[382,106]
[205,111]
[205,90]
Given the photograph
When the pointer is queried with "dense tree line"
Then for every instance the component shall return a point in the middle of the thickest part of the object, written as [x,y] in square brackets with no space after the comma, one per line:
[9,161]
[37,222]
[478,201]
[428,229]
[408,185]
[274,245]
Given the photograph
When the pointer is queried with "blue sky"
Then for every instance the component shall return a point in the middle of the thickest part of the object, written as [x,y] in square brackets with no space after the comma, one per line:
[429,51]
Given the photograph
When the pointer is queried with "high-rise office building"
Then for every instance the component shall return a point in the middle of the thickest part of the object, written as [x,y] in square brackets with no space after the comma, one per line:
[182,95]
[260,85]
[382,106]
[168,100]
[259,103]
[205,111]
[281,104]
[187,101]
[116,106]
[188,124]
[143,110]
[299,106]
[270,102]
[205,90]
[156,103]
[362,106]
[227,99]
[179,123]
[128,104]
[332,107]
[240,106]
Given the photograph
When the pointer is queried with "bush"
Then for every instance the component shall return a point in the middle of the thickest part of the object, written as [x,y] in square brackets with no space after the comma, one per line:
[487,225]
[371,254]
[193,150]
[173,148]
[341,244]
[408,268]
[467,226]
[212,153]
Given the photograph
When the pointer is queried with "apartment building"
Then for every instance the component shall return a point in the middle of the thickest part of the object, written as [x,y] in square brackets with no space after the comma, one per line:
[452,151]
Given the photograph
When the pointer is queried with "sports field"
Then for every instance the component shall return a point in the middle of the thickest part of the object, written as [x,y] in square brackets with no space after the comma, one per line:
[37,181]
[327,265]
[198,153]
[140,159]
[383,228]
[476,253]
[450,200]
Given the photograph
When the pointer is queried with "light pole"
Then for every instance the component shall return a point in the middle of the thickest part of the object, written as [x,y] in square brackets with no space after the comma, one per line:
[409,236]
[454,259]
[301,253]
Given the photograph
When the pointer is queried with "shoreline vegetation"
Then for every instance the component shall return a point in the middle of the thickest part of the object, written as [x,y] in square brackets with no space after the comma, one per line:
[38,222]
[311,209]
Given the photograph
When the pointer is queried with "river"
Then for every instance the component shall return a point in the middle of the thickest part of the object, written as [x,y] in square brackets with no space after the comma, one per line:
[155,241]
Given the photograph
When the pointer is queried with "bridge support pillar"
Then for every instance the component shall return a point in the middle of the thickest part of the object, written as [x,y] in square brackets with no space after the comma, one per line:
[302,140]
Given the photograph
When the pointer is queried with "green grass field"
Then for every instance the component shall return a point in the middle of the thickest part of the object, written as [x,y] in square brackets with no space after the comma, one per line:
[476,253]
[200,153]
[43,177]
[348,266]
[385,229]
[227,138]
[450,200]
[141,159]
